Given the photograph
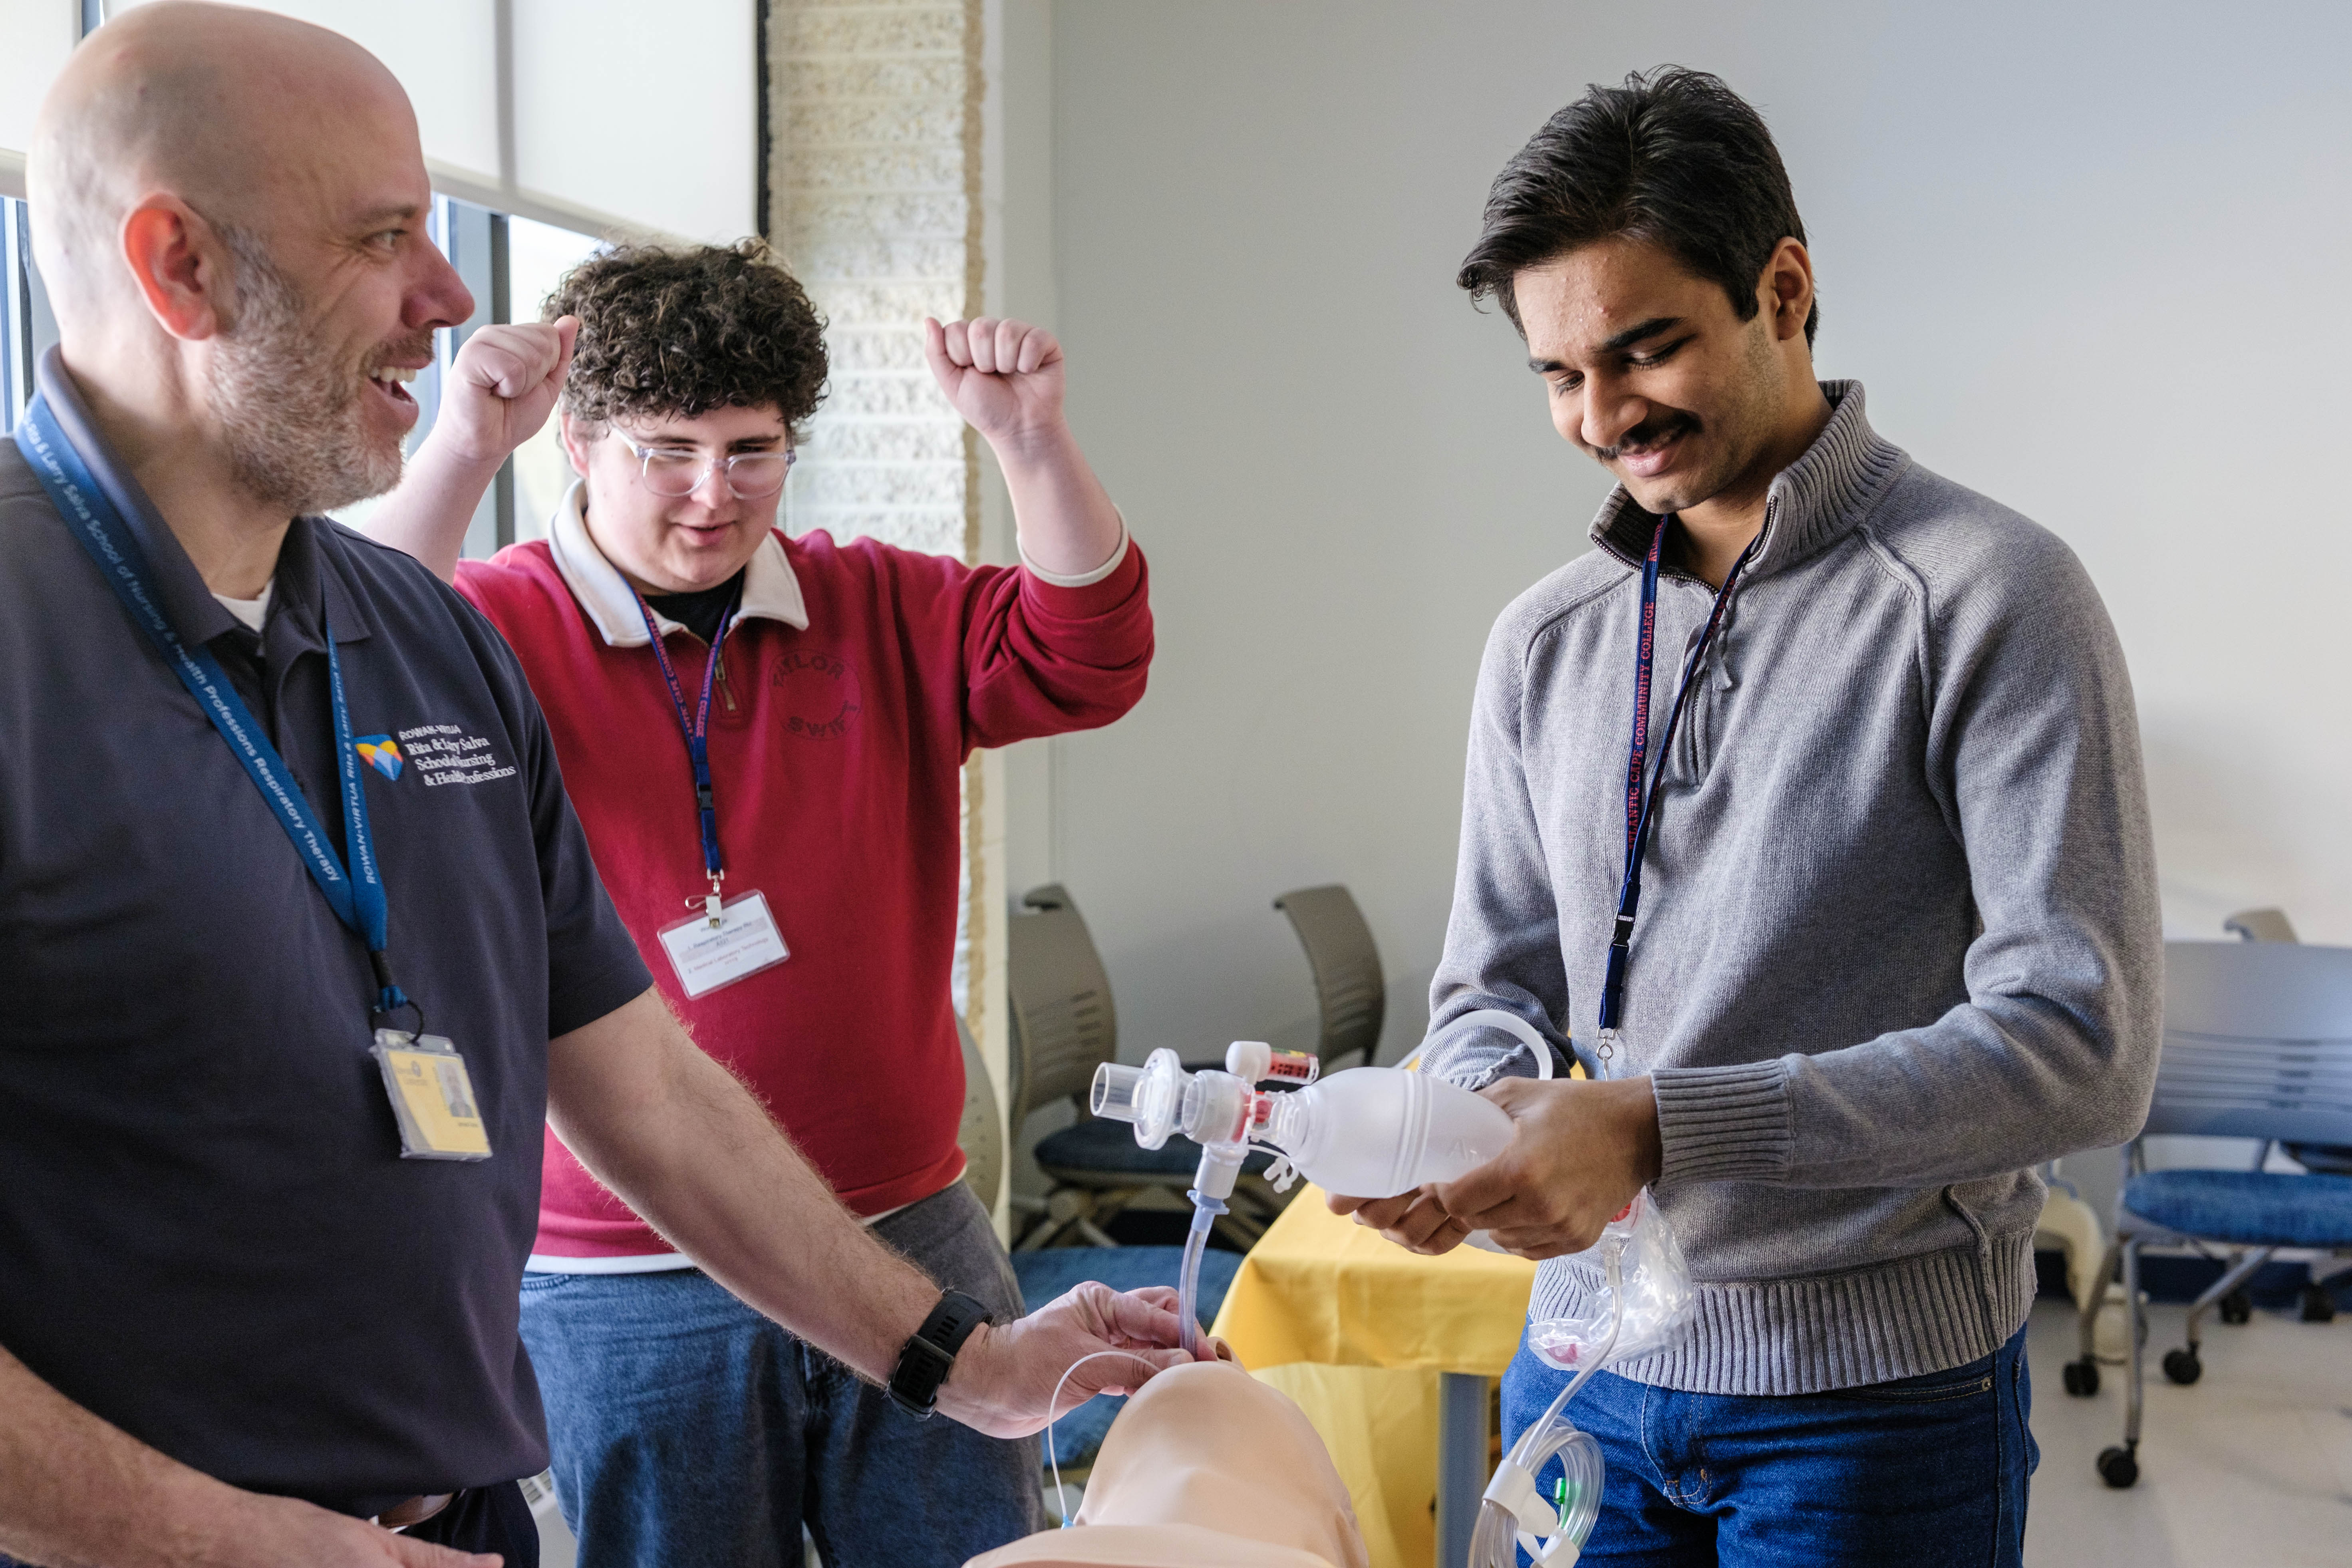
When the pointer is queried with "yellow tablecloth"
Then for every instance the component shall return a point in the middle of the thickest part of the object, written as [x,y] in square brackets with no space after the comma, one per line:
[1356,1330]
[1319,1287]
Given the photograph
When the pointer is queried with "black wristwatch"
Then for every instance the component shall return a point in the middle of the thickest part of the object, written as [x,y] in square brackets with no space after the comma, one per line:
[923,1364]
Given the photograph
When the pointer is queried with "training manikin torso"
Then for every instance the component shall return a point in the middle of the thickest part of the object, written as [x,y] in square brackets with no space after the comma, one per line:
[1206,1466]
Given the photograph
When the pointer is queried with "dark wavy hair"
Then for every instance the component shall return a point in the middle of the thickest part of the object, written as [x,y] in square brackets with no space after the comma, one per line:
[1674,157]
[679,330]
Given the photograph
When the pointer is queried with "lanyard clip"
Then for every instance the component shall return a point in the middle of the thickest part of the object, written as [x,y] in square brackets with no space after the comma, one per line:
[1623,937]
[710,904]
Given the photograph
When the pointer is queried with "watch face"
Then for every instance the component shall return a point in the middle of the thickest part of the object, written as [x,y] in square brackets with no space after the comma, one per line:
[925,1361]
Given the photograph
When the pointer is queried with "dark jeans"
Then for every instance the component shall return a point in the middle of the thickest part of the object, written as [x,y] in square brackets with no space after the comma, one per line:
[1919,1473]
[691,1432]
[484,1519]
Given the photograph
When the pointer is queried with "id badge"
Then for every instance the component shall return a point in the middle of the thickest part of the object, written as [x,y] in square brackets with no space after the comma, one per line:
[743,942]
[432,1096]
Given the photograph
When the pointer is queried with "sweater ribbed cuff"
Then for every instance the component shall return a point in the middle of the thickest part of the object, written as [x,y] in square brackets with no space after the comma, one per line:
[1723,1124]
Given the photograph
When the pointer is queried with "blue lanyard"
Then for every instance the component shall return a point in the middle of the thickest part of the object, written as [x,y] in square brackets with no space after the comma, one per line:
[358,899]
[697,731]
[1642,781]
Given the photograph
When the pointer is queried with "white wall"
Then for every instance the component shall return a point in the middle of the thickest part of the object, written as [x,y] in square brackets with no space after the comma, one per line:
[2090,260]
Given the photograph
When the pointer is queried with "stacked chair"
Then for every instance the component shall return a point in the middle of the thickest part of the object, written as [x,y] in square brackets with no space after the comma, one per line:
[2257,1044]
[1351,996]
[1063,1028]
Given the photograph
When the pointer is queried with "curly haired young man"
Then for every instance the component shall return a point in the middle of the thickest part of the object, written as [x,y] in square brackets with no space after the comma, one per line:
[770,730]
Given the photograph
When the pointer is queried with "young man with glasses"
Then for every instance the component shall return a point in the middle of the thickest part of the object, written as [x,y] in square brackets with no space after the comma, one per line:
[764,737]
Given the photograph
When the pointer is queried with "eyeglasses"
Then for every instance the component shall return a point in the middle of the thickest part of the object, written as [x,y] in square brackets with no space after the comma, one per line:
[673,472]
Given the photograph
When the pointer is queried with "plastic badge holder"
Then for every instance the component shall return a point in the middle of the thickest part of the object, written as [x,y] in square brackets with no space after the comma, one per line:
[432,1097]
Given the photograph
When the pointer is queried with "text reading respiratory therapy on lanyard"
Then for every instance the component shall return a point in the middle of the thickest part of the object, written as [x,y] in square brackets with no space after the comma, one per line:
[730,938]
[1641,779]
[432,1095]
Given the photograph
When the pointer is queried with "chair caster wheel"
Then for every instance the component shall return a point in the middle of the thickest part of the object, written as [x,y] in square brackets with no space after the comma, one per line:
[2237,1309]
[2118,1467]
[2183,1367]
[2082,1377]
[2318,1306]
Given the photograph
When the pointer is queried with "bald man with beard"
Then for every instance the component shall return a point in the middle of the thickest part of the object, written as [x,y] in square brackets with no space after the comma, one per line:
[300,942]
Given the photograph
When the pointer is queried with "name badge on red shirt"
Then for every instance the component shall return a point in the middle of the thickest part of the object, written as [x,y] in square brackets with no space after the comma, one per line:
[710,953]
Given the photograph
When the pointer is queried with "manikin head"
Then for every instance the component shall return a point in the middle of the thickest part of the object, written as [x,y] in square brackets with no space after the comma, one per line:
[1206,1465]
[695,355]
[1647,245]
[228,208]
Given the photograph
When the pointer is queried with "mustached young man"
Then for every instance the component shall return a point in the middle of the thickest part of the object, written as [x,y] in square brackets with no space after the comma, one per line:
[834,691]
[1889,936]
[301,948]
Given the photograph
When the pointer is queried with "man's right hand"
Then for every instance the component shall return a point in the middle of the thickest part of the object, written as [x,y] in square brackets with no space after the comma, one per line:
[1416,1221]
[291,1534]
[501,389]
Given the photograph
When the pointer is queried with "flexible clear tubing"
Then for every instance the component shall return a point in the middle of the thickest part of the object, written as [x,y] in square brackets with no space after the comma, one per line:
[1205,1211]
[1498,1532]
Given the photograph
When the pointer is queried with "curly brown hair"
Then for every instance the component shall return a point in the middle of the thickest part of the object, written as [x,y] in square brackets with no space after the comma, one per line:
[679,330]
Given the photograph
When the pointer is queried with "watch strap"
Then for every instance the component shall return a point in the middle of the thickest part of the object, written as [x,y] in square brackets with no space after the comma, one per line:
[929,1353]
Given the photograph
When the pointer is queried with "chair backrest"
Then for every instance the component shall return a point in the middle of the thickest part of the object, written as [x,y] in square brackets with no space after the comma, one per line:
[2257,1042]
[1064,1026]
[980,1136]
[2259,925]
[1351,997]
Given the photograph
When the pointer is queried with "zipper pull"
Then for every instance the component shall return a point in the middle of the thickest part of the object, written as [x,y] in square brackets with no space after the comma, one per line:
[725,690]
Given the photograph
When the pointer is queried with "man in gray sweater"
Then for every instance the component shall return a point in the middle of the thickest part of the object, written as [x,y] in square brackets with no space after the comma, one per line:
[1890,939]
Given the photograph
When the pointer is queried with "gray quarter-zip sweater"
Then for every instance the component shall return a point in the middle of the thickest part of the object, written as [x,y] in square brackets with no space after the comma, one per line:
[1898,939]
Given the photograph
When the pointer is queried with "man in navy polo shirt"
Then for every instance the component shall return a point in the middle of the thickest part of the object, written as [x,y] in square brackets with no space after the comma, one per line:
[299,940]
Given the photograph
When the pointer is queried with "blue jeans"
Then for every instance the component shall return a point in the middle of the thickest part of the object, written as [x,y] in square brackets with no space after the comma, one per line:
[690,1432]
[1920,1472]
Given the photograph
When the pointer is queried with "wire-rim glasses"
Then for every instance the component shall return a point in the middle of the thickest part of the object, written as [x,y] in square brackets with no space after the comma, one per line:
[675,471]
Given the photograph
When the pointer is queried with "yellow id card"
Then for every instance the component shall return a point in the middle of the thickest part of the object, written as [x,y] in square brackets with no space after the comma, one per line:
[432,1097]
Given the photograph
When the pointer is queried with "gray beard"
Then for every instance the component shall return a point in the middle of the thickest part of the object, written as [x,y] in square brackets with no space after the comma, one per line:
[289,413]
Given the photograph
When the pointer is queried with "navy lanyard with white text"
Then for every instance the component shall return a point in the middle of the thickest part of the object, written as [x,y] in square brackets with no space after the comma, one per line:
[358,898]
[1642,781]
[697,731]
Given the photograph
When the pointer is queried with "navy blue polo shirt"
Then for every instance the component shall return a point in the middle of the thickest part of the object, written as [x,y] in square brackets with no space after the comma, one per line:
[207,1235]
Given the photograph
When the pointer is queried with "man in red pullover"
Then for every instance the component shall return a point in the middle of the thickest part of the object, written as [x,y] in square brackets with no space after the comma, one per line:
[763,736]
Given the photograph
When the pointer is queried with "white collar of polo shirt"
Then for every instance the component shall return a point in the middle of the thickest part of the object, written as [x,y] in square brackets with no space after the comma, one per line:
[771,590]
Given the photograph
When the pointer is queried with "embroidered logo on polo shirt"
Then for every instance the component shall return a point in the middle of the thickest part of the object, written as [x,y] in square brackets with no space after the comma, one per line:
[380,753]
[819,694]
[445,754]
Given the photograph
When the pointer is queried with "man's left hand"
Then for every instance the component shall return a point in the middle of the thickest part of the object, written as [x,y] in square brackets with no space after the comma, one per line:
[1579,1153]
[1004,1377]
[501,387]
[1003,376]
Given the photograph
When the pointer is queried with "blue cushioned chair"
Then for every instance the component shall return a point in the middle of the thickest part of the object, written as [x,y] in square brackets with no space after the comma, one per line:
[2257,1044]
[1063,1028]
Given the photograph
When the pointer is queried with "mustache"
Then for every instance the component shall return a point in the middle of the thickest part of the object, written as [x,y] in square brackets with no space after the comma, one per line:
[417,345]
[1647,434]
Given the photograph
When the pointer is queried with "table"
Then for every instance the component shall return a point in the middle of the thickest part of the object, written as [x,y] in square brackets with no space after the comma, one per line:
[1323,1290]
